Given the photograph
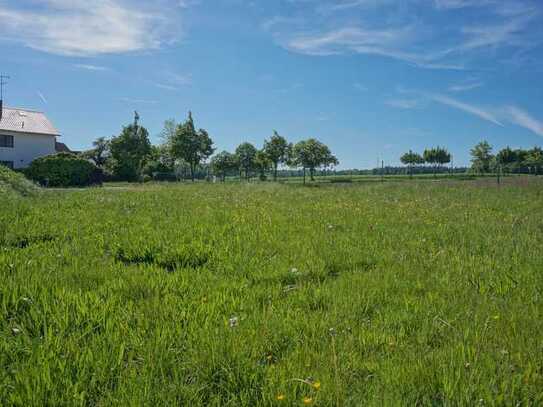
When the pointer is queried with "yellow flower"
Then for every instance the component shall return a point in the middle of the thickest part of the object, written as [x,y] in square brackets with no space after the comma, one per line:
[317,386]
[308,401]
[281,397]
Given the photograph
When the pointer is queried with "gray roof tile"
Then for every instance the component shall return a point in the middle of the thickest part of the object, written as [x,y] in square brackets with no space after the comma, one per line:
[26,121]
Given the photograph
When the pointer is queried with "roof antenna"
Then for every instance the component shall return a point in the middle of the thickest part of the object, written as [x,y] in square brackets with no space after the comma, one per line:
[2,83]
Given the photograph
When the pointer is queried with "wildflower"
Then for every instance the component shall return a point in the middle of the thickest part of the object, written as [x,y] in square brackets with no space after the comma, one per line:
[233,322]
[269,357]
[280,397]
[294,270]
[15,331]
[317,385]
[308,401]
[332,332]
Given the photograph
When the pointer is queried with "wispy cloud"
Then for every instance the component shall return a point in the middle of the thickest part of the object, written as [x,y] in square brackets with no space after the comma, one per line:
[43,99]
[403,103]
[465,86]
[524,119]
[170,80]
[494,114]
[139,101]
[485,114]
[400,33]
[95,68]
[86,28]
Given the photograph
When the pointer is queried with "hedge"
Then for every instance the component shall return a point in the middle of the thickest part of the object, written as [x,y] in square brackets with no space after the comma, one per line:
[64,170]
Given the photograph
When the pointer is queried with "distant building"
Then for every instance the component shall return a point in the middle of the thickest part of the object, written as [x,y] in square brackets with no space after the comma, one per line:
[26,135]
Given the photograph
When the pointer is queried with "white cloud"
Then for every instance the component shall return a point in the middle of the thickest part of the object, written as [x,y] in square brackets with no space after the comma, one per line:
[139,101]
[480,112]
[523,119]
[403,103]
[91,67]
[86,28]
[465,86]
[398,30]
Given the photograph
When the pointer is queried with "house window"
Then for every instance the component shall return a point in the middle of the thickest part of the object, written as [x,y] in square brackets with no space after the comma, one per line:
[8,164]
[6,141]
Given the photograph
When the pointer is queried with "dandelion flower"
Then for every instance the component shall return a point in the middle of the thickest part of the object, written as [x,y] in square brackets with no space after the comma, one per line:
[280,397]
[317,385]
[308,401]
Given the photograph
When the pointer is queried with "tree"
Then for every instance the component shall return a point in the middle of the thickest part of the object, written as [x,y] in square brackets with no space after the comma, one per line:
[222,163]
[411,159]
[436,156]
[129,152]
[99,154]
[482,157]
[246,154]
[263,163]
[534,159]
[277,150]
[506,157]
[189,145]
[159,162]
[312,154]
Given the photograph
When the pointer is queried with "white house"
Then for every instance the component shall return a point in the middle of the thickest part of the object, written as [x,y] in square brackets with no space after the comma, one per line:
[24,136]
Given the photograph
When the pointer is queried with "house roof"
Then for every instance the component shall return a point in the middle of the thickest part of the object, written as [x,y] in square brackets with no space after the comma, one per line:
[26,121]
[61,148]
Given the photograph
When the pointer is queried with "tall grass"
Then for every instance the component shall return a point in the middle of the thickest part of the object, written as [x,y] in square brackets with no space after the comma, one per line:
[411,294]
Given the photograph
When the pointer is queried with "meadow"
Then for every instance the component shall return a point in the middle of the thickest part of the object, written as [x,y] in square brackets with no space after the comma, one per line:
[371,294]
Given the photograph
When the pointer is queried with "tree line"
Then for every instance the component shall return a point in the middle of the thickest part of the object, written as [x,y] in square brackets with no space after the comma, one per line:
[436,157]
[483,161]
[130,156]
[506,160]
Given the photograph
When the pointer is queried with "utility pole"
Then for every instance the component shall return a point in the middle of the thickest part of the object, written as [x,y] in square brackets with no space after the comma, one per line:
[382,170]
[3,82]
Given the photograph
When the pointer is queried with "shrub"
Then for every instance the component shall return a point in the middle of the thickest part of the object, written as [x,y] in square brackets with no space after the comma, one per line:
[13,182]
[64,170]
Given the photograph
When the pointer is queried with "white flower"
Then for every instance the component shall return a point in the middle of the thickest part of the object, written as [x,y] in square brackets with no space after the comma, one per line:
[233,322]
[16,331]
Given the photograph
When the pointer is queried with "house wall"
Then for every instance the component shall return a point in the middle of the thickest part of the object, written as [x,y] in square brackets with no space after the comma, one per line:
[26,148]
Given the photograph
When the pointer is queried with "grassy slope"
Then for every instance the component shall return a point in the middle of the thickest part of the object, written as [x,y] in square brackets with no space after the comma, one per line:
[13,183]
[433,293]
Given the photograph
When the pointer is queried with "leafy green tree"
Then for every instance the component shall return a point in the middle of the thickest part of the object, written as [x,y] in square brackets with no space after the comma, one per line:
[263,163]
[277,150]
[159,162]
[411,159]
[223,163]
[534,159]
[482,157]
[312,154]
[246,155]
[99,153]
[129,152]
[437,156]
[506,157]
[194,147]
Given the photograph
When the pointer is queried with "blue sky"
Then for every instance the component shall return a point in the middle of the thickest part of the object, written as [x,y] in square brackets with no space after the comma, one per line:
[371,78]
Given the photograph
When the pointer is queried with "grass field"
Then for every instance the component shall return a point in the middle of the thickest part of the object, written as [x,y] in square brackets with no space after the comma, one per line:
[422,293]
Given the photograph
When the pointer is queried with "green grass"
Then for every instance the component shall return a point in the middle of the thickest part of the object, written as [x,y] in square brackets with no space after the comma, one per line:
[15,184]
[385,294]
